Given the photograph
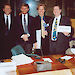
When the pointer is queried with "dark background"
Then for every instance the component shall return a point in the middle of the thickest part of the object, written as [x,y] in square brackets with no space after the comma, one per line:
[68,6]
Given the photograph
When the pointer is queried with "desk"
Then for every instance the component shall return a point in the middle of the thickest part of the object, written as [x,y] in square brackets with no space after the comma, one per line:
[31,68]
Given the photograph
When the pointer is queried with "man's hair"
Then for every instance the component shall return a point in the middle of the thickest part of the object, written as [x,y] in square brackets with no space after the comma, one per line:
[24,4]
[7,5]
[57,6]
[40,5]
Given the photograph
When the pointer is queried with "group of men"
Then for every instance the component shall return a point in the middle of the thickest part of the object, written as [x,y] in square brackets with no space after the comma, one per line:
[22,30]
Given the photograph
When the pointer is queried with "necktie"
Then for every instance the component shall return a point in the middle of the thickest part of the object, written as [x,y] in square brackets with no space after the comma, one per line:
[54,31]
[25,26]
[42,28]
[7,23]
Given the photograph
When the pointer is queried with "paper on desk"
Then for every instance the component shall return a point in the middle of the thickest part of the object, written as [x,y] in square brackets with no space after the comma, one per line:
[22,59]
[66,57]
[64,29]
[6,68]
[47,59]
[73,50]
[2,73]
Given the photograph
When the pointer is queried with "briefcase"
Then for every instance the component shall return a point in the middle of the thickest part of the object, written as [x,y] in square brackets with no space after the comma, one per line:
[43,65]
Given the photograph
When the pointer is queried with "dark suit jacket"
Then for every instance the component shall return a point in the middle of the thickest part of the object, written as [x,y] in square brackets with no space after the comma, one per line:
[20,30]
[44,41]
[62,42]
[7,36]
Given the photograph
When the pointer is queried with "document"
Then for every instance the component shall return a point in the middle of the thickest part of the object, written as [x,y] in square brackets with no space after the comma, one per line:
[64,29]
[22,59]
[8,68]
[66,57]
[38,38]
[47,59]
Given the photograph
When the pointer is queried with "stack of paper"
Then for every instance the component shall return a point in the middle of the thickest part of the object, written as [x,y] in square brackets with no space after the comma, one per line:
[8,68]
[22,59]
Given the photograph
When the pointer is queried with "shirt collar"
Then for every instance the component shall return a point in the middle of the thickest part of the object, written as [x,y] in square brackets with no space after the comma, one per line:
[58,17]
[6,15]
[25,14]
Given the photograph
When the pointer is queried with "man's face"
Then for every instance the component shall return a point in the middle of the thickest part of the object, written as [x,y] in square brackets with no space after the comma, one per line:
[41,10]
[7,9]
[24,9]
[56,11]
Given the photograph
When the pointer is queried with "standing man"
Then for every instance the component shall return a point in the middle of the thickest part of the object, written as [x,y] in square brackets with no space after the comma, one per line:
[25,29]
[41,22]
[59,41]
[7,26]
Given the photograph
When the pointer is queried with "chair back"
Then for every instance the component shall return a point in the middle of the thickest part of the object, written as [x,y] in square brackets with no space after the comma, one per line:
[17,50]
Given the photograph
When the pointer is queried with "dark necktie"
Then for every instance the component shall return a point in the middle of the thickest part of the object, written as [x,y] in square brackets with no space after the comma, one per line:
[7,23]
[25,26]
[55,31]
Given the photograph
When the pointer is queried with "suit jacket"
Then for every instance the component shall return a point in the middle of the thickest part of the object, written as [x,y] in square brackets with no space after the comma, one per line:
[20,30]
[4,30]
[7,37]
[62,42]
[44,42]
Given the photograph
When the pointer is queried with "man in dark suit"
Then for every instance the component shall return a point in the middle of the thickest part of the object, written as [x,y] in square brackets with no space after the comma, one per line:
[59,41]
[7,27]
[41,22]
[25,29]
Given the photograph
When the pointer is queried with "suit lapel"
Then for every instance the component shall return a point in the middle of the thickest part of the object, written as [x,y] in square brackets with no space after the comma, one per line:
[21,23]
[11,17]
[60,21]
[21,19]
[29,22]
[3,19]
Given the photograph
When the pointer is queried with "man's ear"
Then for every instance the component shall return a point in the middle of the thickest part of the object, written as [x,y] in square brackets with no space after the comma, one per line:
[3,9]
[28,10]
[11,10]
[60,10]
[20,9]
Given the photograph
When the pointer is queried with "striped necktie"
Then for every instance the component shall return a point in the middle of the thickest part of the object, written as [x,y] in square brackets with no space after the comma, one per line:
[54,31]
[42,28]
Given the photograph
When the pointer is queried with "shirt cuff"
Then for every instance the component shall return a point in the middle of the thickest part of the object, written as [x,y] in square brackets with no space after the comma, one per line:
[24,34]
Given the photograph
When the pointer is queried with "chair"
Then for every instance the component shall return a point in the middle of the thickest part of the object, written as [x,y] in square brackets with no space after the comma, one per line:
[72,45]
[18,49]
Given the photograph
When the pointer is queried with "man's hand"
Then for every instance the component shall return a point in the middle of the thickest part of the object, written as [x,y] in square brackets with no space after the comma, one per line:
[25,37]
[35,45]
[66,33]
[45,33]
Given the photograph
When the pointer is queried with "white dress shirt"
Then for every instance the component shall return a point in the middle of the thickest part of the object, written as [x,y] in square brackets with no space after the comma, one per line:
[9,20]
[26,18]
[58,22]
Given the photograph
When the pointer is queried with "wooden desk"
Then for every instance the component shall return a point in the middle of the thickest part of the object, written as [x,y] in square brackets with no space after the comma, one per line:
[31,68]
[56,66]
